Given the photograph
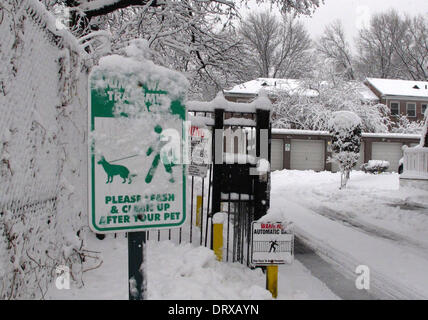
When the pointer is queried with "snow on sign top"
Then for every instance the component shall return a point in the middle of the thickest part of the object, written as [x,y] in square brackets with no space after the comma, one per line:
[135,68]
[394,87]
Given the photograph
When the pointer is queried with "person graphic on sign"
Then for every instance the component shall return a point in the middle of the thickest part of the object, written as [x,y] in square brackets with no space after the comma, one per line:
[167,163]
[273,245]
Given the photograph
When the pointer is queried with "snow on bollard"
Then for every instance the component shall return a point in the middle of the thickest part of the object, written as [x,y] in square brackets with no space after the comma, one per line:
[218,219]
[263,166]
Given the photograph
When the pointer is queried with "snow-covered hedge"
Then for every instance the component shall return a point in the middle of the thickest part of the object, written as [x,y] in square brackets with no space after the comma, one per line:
[345,128]
[375,166]
[43,95]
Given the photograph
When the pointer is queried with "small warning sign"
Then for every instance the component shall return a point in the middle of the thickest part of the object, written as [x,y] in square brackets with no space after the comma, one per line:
[271,244]
[200,146]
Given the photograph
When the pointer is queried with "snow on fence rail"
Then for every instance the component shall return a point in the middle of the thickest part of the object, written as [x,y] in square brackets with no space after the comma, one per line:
[415,163]
[262,102]
[43,94]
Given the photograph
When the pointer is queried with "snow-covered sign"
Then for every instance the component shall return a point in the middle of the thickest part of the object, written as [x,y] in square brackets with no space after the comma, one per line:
[271,244]
[136,123]
[200,148]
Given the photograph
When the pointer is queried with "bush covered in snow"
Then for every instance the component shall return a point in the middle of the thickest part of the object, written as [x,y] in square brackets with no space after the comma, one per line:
[345,127]
[375,166]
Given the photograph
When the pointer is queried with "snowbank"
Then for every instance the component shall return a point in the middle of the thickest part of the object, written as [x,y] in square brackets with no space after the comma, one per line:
[187,272]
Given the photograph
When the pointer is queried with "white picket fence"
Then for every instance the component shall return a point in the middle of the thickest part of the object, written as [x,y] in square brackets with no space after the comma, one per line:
[415,163]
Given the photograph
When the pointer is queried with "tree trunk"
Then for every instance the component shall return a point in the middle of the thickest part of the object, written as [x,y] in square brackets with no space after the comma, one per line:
[79,23]
[108,8]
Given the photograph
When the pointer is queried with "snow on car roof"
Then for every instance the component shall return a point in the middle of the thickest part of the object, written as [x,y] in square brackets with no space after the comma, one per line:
[395,87]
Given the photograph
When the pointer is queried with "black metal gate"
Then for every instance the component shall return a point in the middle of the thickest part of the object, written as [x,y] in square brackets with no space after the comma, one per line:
[231,184]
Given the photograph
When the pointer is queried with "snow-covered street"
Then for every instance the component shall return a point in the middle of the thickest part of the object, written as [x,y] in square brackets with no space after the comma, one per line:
[372,222]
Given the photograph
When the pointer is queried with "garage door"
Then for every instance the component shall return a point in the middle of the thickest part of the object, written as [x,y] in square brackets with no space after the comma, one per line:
[307,155]
[335,167]
[387,151]
[277,154]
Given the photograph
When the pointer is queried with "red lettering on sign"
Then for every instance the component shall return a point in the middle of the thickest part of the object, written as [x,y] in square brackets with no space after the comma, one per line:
[271,226]
[196,132]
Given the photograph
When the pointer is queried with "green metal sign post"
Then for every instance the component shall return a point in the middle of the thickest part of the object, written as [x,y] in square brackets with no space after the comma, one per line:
[136,172]
[136,241]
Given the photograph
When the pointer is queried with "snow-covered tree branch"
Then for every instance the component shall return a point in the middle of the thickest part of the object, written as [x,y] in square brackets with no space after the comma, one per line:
[393,46]
[334,47]
[311,106]
[196,37]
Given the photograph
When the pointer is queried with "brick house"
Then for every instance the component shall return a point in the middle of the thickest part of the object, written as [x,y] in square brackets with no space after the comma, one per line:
[408,98]
[248,91]
[309,150]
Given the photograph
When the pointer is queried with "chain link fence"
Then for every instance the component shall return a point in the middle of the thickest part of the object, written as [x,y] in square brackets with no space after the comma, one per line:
[43,126]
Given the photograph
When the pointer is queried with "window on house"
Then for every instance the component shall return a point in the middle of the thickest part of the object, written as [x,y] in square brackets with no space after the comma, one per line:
[395,108]
[411,109]
[424,108]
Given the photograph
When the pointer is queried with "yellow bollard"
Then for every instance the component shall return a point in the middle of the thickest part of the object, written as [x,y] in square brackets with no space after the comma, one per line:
[218,240]
[218,220]
[198,211]
[272,280]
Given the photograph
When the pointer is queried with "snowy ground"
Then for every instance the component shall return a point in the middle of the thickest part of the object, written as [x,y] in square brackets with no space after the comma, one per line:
[187,272]
[373,222]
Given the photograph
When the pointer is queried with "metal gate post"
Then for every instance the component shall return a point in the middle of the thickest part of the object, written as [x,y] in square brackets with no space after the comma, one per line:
[263,151]
[136,241]
[217,154]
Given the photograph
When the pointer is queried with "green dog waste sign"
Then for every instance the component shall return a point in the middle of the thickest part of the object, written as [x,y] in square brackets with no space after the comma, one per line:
[136,123]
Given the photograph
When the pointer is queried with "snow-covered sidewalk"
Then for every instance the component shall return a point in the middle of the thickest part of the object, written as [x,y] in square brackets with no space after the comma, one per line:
[187,272]
[366,224]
